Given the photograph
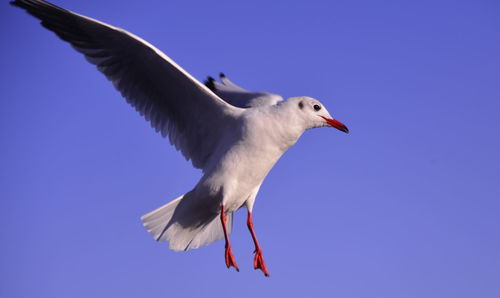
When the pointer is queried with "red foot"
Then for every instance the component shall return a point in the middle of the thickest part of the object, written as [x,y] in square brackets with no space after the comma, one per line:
[230,261]
[258,262]
[229,253]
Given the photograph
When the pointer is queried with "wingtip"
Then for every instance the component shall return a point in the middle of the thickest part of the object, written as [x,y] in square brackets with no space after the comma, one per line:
[25,3]
[210,83]
[222,75]
[14,3]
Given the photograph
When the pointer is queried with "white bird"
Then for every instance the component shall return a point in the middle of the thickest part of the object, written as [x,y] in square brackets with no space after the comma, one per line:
[234,136]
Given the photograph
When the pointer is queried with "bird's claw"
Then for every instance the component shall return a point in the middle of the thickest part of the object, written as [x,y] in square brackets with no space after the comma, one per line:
[230,261]
[258,262]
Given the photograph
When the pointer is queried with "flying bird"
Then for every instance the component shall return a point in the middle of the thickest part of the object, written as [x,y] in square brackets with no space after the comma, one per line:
[233,135]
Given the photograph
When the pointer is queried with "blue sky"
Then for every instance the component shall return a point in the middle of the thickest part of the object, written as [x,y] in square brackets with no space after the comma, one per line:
[406,205]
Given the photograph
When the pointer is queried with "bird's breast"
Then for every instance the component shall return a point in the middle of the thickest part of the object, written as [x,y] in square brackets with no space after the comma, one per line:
[244,160]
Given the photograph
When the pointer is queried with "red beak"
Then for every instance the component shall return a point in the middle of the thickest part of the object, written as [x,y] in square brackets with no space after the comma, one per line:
[337,124]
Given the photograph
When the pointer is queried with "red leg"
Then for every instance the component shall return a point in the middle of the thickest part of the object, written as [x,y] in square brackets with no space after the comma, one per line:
[258,261]
[230,261]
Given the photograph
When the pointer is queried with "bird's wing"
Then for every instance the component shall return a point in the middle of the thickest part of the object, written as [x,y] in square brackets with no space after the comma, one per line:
[239,97]
[175,103]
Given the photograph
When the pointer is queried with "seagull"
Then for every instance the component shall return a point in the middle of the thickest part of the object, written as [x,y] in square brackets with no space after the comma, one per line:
[234,136]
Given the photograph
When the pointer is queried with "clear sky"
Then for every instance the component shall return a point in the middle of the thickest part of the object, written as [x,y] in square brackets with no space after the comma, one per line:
[406,205]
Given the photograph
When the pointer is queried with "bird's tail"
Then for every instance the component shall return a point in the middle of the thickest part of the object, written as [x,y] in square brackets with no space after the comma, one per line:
[185,224]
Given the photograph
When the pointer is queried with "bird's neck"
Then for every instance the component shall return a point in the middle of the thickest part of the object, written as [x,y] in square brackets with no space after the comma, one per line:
[289,127]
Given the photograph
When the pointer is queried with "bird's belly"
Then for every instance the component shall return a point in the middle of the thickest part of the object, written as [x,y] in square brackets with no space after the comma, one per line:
[240,173]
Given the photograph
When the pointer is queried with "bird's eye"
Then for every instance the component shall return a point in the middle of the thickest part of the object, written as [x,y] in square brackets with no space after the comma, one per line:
[317,107]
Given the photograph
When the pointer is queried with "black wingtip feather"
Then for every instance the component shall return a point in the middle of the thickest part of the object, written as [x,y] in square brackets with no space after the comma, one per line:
[209,82]
[222,75]
[21,4]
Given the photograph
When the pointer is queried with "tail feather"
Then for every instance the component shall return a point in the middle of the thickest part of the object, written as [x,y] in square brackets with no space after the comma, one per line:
[157,220]
[183,226]
[211,232]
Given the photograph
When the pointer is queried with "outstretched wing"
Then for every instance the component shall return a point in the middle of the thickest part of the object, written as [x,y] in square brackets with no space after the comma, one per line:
[176,104]
[239,97]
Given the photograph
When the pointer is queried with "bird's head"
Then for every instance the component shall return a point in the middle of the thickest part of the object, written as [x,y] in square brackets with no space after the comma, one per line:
[313,113]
